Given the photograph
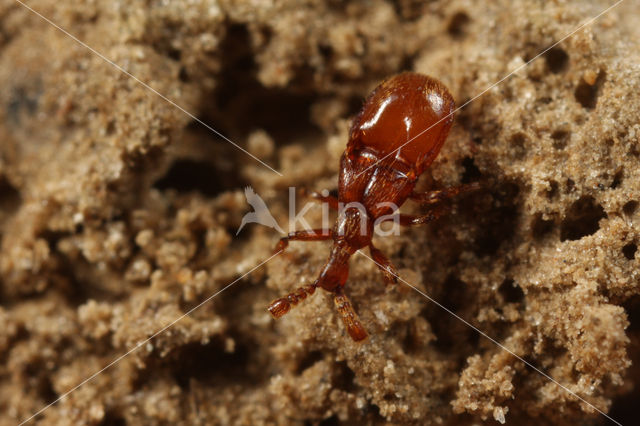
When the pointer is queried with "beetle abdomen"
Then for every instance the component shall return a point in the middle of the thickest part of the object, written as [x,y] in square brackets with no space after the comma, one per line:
[400,110]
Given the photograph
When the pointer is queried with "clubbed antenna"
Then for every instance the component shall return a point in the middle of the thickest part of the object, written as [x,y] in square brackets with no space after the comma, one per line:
[281,306]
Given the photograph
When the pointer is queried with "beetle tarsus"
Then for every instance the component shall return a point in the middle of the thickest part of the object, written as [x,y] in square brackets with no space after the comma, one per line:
[435,197]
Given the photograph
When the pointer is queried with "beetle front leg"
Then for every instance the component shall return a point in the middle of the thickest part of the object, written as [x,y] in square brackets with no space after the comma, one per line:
[434,197]
[386,267]
[311,235]
[349,316]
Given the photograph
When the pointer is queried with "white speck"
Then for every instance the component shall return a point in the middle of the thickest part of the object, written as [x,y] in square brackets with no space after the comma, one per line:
[499,412]
[407,125]
[77,218]
[436,101]
[382,317]
[390,369]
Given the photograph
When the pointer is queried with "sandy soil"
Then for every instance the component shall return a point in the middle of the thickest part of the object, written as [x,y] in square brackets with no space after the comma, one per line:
[118,214]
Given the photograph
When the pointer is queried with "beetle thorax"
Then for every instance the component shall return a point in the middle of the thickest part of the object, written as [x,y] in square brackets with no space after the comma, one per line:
[353,228]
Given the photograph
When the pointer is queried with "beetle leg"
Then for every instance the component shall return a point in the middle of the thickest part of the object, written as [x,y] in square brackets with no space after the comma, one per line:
[386,267]
[349,316]
[434,197]
[410,220]
[281,306]
[311,235]
[329,199]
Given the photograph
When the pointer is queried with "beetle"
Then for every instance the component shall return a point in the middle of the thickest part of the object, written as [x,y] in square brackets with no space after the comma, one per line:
[395,137]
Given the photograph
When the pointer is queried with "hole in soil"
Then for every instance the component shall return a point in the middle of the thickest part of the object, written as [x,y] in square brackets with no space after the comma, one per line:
[38,374]
[582,219]
[632,308]
[330,421]
[511,293]
[518,145]
[210,362]
[46,391]
[372,413]
[630,207]
[541,227]
[9,198]
[552,192]
[183,75]
[309,360]
[458,24]
[497,224]
[408,63]
[113,418]
[186,175]
[471,171]
[586,94]
[326,50]
[570,185]
[344,377]
[557,60]
[629,251]
[624,408]
[453,336]
[617,179]
[560,139]
[243,104]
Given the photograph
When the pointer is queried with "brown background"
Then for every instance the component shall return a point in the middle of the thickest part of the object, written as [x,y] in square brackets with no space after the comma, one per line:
[118,214]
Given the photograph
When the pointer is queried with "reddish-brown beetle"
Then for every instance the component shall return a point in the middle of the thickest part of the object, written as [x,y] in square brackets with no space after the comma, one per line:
[379,169]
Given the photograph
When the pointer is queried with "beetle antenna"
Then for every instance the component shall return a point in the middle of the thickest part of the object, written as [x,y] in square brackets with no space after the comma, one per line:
[281,306]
